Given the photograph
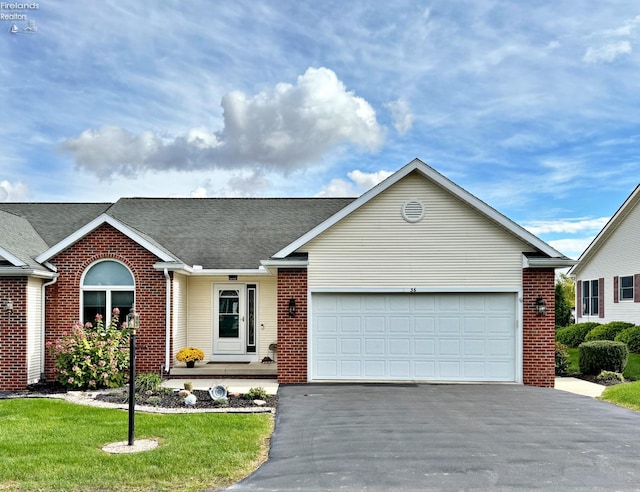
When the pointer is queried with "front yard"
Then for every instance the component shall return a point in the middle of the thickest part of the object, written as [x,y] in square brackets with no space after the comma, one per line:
[49,444]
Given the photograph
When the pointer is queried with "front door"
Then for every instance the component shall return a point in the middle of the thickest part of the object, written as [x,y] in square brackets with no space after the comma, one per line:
[229,319]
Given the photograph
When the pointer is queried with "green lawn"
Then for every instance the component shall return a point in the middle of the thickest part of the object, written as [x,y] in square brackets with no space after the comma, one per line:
[631,372]
[50,444]
[625,395]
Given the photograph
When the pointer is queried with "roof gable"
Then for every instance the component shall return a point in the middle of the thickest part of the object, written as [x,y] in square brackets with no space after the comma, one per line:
[611,227]
[94,224]
[429,173]
[19,242]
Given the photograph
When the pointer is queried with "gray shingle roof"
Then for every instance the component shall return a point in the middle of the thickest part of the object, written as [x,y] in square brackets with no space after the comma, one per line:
[226,233]
[19,238]
[55,221]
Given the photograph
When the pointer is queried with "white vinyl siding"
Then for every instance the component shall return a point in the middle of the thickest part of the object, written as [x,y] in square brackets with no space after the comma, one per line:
[34,330]
[200,312]
[617,255]
[452,246]
[179,300]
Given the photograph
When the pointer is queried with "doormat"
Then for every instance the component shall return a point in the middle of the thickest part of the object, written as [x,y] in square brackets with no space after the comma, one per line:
[220,362]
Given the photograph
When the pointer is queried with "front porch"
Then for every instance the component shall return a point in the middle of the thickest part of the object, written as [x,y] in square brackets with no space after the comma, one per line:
[248,370]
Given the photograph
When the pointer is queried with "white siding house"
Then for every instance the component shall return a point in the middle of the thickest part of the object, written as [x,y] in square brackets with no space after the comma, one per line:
[608,272]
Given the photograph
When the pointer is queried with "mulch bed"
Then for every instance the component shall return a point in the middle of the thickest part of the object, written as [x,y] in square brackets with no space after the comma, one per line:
[165,398]
[171,399]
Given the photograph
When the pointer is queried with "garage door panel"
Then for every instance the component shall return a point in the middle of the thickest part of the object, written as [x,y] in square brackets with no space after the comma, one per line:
[327,346]
[350,324]
[474,347]
[423,347]
[445,337]
[399,324]
[449,325]
[400,346]
[326,324]
[375,346]
[374,324]
[399,369]
[350,346]
[449,347]
[423,324]
[374,369]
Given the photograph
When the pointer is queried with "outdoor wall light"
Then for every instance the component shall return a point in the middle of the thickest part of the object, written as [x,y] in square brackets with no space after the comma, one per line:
[8,306]
[541,306]
[292,307]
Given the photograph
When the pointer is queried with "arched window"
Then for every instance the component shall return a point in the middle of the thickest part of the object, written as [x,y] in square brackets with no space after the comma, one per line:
[106,285]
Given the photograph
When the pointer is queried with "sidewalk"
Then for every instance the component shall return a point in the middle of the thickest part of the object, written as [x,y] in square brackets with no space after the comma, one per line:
[579,386]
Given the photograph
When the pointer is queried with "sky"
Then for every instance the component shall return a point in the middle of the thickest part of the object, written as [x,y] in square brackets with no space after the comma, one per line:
[533,107]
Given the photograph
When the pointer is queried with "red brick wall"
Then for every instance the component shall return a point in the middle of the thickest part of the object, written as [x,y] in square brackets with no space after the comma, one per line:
[538,364]
[63,297]
[292,331]
[13,334]
[538,332]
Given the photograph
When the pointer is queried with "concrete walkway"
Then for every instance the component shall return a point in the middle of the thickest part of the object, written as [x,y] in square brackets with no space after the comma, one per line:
[579,386]
[233,385]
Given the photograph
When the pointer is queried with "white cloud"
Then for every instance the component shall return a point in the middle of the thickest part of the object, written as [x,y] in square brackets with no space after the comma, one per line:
[401,114]
[572,247]
[284,129]
[358,184]
[13,192]
[607,53]
[568,226]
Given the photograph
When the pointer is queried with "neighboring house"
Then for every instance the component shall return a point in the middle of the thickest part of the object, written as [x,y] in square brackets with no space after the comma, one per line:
[416,280]
[607,274]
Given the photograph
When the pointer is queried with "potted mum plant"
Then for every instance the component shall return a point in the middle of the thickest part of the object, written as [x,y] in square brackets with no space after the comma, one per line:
[190,355]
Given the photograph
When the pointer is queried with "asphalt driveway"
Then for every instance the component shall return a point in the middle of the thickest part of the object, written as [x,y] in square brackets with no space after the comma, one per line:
[447,437]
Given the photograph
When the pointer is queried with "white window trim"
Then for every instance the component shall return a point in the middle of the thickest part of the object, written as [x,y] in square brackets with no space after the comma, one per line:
[590,298]
[633,287]
[106,288]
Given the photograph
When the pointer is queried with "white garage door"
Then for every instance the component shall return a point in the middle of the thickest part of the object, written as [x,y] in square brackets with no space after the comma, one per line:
[424,337]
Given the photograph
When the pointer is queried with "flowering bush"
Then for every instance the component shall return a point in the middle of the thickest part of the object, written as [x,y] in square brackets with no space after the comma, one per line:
[190,354]
[92,356]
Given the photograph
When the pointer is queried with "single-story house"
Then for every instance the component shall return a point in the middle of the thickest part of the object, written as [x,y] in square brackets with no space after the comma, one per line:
[416,280]
[607,274]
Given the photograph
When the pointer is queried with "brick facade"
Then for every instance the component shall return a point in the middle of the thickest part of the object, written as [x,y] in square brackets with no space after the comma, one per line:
[538,353]
[13,334]
[63,297]
[292,331]
[538,332]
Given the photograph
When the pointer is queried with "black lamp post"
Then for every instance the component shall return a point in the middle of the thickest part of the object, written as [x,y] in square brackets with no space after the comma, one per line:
[133,323]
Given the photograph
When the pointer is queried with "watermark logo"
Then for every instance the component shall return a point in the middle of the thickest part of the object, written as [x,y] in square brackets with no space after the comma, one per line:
[18,15]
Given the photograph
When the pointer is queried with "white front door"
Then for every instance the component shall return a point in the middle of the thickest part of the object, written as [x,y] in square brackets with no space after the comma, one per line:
[229,319]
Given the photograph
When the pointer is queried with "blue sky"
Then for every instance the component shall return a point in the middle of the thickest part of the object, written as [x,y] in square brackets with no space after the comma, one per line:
[531,106]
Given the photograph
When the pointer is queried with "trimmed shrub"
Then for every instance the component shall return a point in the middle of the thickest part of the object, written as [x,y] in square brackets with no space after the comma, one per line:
[630,336]
[608,376]
[602,355]
[573,335]
[562,359]
[607,331]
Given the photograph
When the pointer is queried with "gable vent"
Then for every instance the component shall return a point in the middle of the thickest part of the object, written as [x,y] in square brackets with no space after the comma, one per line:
[413,211]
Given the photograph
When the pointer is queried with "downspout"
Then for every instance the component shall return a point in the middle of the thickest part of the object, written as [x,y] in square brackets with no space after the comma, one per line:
[167,357]
[43,322]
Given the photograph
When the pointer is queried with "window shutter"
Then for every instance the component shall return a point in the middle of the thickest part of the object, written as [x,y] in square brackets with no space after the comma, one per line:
[615,288]
[600,298]
[579,299]
[636,287]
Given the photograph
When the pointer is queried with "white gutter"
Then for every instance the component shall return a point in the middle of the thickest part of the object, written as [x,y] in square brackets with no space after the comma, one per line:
[43,322]
[167,321]
[25,272]
[535,262]
[199,270]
